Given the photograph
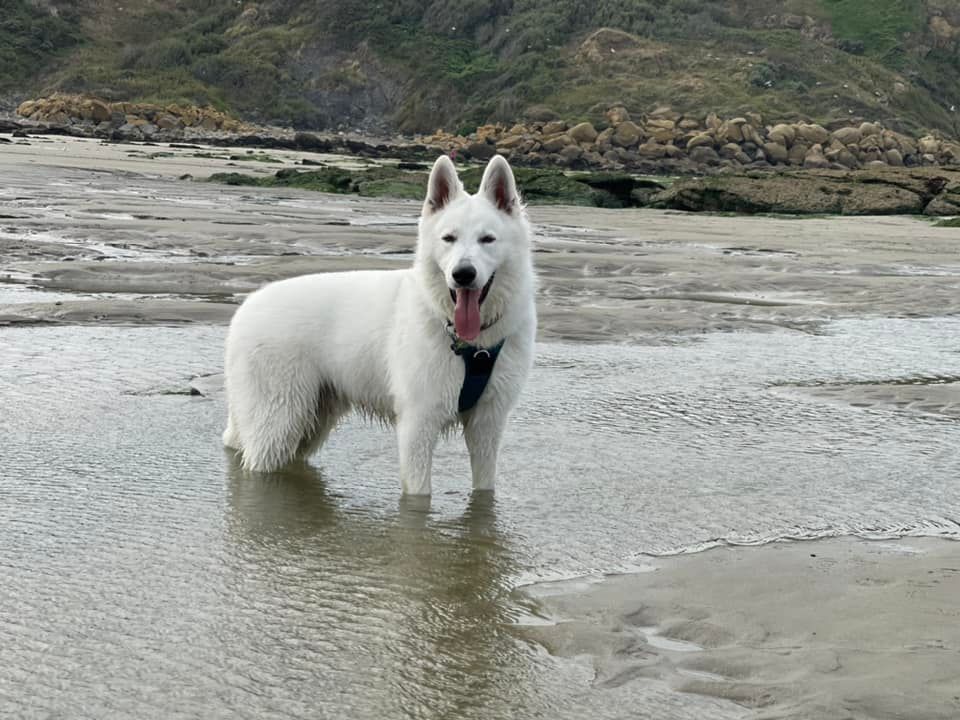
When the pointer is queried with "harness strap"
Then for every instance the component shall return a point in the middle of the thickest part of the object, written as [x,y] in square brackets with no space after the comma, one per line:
[478,367]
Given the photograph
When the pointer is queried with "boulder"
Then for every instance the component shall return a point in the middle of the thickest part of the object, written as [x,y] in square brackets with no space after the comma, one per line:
[894,158]
[868,129]
[571,153]
[775,152]
[929,145]
[583,133]
[627,134]
[712,122]
[848,135]
[782,134]
[604,140]
[556,143]
[730,151]
[701,140]
[813,134]
[797,153]
[481,150]
[730,131]
[617,114]
[554,127]
[510,142]
[688,124]
[704,155]
[652,151]
[815,159]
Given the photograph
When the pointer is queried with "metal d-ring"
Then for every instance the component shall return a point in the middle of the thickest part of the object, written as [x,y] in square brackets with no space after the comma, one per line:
[481,351]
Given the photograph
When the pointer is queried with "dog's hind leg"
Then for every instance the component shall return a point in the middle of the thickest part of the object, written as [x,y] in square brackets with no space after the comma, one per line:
[274,411]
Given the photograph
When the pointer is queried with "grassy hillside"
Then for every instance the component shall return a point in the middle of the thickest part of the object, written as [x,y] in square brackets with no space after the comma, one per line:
[459,63]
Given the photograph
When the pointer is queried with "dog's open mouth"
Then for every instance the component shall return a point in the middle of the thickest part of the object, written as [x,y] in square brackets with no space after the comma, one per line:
[466,310]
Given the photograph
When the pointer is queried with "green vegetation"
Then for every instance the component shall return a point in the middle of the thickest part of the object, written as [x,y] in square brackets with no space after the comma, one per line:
[951,223]
[878,25]
[30,39]
[418,66]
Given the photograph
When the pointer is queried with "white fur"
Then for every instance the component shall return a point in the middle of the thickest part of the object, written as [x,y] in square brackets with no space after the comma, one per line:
[302,352]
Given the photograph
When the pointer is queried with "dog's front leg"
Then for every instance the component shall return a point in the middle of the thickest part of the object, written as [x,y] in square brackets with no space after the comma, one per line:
[483,431]
[416,437]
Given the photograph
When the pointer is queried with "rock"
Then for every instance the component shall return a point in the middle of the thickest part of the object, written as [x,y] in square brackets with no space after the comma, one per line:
[799,192]
[99,111]
[627,134]
[481,150]
[815,159]
[782,135]
[701,140]
[664,112]
[868,129]
[894,158]
[928,159]
[166,121]
[652,151]
[848,135]
[813,134]
[712,122]
[950,153]
[704,155]
[730,151]
[797,153]
[875,164]
[929,145]
[509,142]
[843,157]
[673,152]
[554,127]
[730,131]
[775,152]
[583,133]
[571,153]
[742,158]
[755,119]
[604,141]
[617,114]
[556,143]
[751,135]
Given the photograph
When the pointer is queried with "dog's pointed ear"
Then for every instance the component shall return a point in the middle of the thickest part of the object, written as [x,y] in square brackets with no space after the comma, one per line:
[498,185]
[443,186]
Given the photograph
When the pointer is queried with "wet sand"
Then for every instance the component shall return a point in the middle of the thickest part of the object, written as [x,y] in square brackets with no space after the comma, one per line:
[841,628]
[831,629]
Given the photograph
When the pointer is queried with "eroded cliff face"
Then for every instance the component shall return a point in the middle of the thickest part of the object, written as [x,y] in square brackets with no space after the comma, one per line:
[358,65]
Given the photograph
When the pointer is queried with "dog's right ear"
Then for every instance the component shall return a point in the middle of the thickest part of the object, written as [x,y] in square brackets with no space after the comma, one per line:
[443,186]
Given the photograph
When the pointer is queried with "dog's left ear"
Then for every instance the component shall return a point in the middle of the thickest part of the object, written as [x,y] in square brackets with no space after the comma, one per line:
[499,186]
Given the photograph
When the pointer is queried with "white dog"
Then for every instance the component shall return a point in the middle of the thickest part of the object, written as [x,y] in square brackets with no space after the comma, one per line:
[449,340]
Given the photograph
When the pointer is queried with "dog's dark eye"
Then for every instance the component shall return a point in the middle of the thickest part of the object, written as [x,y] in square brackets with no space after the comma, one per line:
[487,239]
[449,237]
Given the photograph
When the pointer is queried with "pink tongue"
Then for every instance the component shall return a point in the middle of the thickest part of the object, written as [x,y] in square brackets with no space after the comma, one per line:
[466,315]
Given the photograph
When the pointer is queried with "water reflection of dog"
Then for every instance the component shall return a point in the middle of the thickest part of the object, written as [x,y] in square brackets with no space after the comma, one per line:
[344,591]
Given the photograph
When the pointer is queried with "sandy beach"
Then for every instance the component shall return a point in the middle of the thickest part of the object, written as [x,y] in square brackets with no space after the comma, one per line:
[765,378]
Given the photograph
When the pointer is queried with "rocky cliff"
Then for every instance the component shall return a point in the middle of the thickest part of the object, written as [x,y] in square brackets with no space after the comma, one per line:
[412,66]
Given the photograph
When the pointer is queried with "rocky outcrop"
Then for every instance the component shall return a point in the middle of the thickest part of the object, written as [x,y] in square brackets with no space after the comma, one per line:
[662,141]
[62,109]
[875,191]
[670,142]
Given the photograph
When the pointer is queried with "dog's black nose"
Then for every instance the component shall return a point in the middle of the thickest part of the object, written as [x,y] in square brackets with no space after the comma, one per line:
[464,275]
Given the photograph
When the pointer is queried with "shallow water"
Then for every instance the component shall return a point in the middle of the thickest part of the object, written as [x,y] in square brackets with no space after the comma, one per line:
[142,575]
